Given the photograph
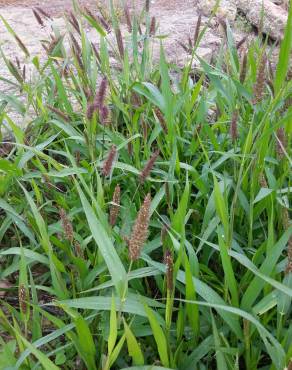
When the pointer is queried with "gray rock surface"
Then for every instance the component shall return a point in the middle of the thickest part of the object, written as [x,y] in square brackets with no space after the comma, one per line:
[274,16]
[274,13]
[226,8]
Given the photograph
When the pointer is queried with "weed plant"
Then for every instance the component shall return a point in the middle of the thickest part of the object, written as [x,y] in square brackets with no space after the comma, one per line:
[145,208]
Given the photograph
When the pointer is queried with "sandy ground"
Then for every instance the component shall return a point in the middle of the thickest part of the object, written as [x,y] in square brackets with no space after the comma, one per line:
[55,7]
[176,19]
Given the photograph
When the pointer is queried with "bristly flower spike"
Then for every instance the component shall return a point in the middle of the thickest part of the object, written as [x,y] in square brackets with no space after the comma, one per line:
[243,69]
[108,163]
[23,297]
[100,97]
[149,165]
[259,86]
[115,207]
[168,260]
[140,230]
[281,142]
[67,225]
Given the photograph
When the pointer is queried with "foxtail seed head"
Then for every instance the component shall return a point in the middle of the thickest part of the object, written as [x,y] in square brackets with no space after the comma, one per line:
[149,165]
[161,120]
[289,255]
[243,69]
[197,30]
[120,42]
[168,260]
[115,207]
[263,181]
[78,250]
[241,42]
[90,110]
[59,113]
[104,115]
[152,27]
[108,163]
[281,142]
[140,230]
[74,23]
[258,90]
[67,225]
[41,11]
[100,97]
[23,298]
[38,17]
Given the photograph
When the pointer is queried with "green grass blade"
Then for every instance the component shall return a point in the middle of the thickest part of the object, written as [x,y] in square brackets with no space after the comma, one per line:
[159,336]
[134,349]
[111,258]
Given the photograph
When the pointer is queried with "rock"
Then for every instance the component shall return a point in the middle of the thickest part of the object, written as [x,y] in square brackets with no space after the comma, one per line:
[283,3]
[275,13]
[226,9]
[275,16]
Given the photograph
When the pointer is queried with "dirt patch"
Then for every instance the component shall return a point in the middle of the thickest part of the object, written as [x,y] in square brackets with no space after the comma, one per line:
[176,20]
[57,7]
[54,7]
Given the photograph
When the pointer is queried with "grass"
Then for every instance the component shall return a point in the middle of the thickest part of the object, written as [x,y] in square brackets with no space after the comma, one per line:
[145,209]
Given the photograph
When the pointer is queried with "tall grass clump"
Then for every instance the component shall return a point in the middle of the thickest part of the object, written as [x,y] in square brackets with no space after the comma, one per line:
[145,209]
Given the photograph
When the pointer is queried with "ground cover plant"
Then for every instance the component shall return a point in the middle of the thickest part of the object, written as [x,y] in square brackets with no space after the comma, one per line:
[145,208]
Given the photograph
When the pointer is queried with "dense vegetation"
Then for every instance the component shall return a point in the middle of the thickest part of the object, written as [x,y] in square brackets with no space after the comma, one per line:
[145,209]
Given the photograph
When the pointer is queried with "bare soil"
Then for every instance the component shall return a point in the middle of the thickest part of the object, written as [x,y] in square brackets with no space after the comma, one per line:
[176,20]
[54,7]
[57,7]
